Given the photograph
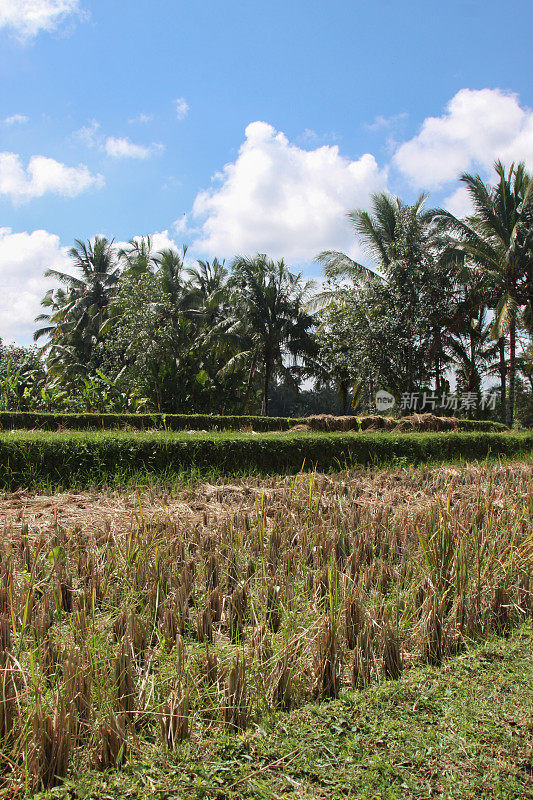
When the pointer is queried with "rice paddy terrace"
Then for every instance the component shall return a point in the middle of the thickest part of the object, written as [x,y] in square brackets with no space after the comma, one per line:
[156,642]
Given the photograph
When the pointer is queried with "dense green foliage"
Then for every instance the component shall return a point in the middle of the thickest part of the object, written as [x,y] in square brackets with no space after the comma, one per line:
[424,311]
[441,301]
[395,314]
[142,329]
[22,377]
[97,458]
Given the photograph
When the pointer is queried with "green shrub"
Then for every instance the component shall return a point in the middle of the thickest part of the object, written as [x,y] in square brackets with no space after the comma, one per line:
[86,459]
[481,425]
[27,420]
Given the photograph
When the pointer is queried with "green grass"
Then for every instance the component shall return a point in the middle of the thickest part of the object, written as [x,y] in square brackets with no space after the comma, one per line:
[462,731]
[85,459]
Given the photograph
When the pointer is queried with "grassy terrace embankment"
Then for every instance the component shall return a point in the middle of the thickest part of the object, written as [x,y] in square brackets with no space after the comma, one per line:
[75,459]
[27,420]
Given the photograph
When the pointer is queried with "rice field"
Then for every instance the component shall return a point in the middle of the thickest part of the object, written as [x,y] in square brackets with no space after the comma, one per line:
[134,623]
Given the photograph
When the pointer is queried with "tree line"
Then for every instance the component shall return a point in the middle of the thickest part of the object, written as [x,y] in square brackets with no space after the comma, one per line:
[132,328]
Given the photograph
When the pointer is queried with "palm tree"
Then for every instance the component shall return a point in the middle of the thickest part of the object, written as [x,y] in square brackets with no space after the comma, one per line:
[208,283]
[378,230]
[98,272]
[76,313]
[171,266]
[498,240]
[138,256]
[381,232]
[403,245]
[208,300]
[270,318]
[473,349]
[54,318]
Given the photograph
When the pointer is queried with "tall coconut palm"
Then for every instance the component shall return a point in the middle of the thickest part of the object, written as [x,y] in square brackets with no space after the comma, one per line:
[171,264]
[53,321]
[269,315]
[403,243]
[381,233]
[473,350]
[138,256]
[498,240]
[76,313]
[208,283]
[98,273]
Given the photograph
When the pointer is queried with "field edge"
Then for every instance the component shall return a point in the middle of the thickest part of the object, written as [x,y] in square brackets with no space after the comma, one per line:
[458,731]
[117,458]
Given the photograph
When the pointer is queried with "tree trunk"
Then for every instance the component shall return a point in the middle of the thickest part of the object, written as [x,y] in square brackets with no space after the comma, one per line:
[266,384]
[471,370]
[438,367]
[512,371]
[344,395]
[251,375]
[503,380]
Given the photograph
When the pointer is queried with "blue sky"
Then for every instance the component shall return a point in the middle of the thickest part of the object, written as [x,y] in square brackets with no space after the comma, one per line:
[237,127]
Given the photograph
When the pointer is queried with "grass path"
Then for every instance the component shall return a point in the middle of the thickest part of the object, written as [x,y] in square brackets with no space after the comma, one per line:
[461,731]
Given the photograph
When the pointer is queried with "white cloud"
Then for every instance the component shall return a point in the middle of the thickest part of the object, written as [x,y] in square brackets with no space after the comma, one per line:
[89,134]
[183,226]
[43,176]
[161,240]
[283,200]
[182,107]
[24,257]
[16,119]
[477,127]
[141,119]
[459,203]
[115,146]
[122,148]
[381,122]
[23,260]
[27,18]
